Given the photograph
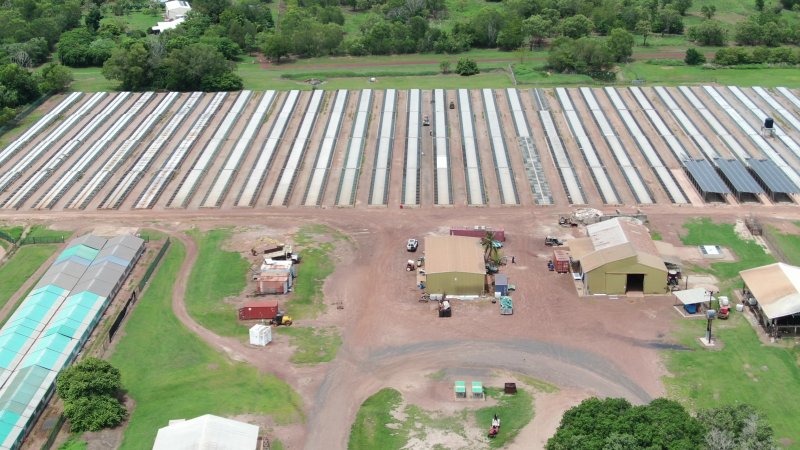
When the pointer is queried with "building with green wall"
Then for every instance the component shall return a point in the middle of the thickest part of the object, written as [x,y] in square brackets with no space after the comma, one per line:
[454,265]
[619,257]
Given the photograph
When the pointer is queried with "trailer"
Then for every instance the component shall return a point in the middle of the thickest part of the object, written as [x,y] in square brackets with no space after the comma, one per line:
[479,232]
[561,261]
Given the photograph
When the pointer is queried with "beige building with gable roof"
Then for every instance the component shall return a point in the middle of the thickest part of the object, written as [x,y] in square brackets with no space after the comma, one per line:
[776,289]
[618,257]
[454,265]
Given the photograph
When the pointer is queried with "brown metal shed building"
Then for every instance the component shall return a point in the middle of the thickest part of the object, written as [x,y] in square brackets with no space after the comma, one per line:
[454,265]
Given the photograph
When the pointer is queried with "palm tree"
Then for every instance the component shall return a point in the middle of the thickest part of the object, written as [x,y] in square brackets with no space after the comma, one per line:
[489,250]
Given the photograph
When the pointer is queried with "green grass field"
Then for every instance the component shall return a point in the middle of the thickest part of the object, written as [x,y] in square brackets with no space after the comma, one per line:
[14,231]
[21,266]
[312,345]
[41,231]
[375,426]
[744,371]
[317,242]
[171,373]
[748,253]
[91,79]
[789,245]
[673,75]
[29,120]
[216,274]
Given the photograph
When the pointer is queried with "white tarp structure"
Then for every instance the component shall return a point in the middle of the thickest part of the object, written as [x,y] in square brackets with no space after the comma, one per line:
[177,9]
[776,288]
[692,296]
[260,335]
[207,432]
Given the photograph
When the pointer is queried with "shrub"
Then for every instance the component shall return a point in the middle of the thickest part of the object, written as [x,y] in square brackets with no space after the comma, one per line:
[467,67]
[694,57]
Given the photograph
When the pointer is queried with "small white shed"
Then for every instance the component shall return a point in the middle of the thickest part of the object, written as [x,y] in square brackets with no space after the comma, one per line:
[177,9]
[260,335]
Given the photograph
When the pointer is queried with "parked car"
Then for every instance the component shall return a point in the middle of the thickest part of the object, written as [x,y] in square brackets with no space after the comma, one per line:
[552,242]
[412,245]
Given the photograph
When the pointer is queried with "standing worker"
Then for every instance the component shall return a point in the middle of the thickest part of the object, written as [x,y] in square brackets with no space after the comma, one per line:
[513,259]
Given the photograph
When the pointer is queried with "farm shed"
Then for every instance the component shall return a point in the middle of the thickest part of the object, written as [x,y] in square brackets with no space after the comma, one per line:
[207,431]
[266,309]
[273,283]
[454,265]
[177,9]
[776,291]
[619,257]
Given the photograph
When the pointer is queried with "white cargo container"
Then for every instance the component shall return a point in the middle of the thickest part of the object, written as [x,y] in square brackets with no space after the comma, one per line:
[260,335]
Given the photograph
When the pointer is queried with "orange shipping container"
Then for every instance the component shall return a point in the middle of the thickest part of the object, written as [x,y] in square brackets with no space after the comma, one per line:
[561,261]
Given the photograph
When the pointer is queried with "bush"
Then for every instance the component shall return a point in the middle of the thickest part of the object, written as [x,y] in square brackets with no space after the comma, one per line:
[694,57]
[89,390]
[708,33]
[467,67]
[732,56]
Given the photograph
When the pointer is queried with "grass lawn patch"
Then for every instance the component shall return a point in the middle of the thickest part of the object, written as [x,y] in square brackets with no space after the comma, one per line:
[749,254]
[42,232]
[152,235]
[15,232]
[13,133]
[21,266]
[171,373]
[216,274]
[744,371]
[534,72]
[676,75]
[371,429]
[656,236]
[312,345]
[378,426]
[514,411]
[316,241]
[91,79]
[789,245]
[74,443]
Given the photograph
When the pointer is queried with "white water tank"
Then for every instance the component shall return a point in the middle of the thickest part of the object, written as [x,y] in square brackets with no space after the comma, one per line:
[260,335]
[723,301]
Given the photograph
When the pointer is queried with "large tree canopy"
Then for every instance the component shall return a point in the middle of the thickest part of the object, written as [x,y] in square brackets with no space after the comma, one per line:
[614,424]
[89,390]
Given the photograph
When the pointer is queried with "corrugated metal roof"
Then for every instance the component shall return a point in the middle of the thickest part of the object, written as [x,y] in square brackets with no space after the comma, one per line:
[59,279]
[207,432]
[119,251]
[89,240]
[776,287]
[705,177]
[738,176]
[81,251]
[454,254]
[773,177]
[614,240]
[126,240]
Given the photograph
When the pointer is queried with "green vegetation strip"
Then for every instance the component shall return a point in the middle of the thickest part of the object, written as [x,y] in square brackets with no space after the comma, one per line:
[316,241]
[748,253]
[744,371]
[171,374]
[789,245]
[312,346]
[14,232]
[216,274]
[377,426]
[21,266]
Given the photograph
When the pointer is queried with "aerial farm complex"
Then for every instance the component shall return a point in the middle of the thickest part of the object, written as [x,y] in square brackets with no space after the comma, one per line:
[370,148]
[456,245]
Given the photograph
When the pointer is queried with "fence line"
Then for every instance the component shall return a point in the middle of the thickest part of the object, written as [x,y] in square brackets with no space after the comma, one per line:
[774,246]
[7,237]
[153,265]
[42,240]
[51,438]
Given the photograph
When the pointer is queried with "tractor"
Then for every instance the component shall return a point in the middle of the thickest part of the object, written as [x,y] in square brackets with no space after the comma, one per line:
[281,319]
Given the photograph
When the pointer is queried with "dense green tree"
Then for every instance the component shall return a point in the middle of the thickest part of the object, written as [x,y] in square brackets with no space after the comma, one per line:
[741,425]
[681,6]
[730,56]
[759,5]
[55,78]
[771,34]
[93,18]
[694,57]
[585,55]
[18,85]
[93,413]
[196,67]
[576,26]
[537,28]
[211,8]
[748,32]
[485,26]
[131,66]
[511,37]
[91,376]
[668,21]
[620,44]
[643,29]
[614,424]
[708,33]
[708,11]
[467,67]
[275,46]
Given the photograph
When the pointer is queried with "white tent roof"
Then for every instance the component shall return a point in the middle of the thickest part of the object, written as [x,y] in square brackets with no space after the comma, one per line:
[207,432]
[692,296]
[776,287]
[171,25]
